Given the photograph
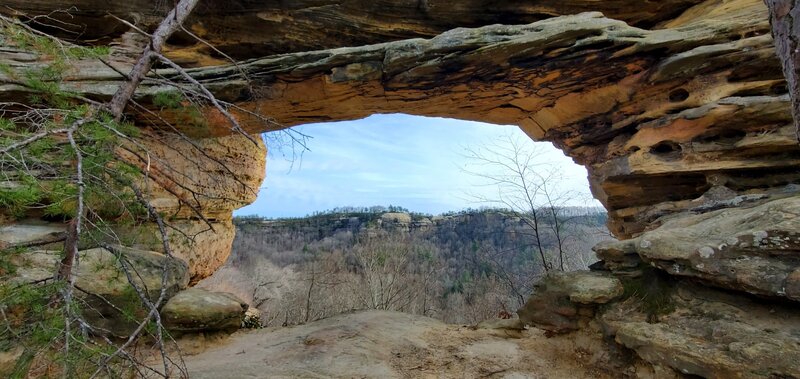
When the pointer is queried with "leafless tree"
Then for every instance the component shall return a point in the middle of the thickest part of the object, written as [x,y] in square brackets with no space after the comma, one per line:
[391,275]
[527,186]
[68,121]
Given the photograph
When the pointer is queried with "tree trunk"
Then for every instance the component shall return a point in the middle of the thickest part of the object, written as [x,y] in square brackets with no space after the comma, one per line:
[785,20]
[70,251]
[117,105]
[168,26]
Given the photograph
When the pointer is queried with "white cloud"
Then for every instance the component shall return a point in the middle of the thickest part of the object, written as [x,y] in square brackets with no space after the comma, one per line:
[415,162]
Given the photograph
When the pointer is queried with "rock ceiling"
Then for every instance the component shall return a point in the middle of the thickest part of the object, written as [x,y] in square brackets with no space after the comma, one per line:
[659,116]
[678,109]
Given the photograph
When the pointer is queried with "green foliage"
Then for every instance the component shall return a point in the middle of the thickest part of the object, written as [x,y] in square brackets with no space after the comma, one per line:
[45,81]
[62,197]
[49,46]
[459,285]
[652,291]
[41,147]
[35,320]
[6,125]
[185,112]
[46,184]
[6,69]
[17,198]
[168,100]
[7,267]
[58,197]
[131,305]
[88,52]
[40,180]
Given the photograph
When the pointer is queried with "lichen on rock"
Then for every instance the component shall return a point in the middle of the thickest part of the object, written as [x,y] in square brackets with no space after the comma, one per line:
[678,109]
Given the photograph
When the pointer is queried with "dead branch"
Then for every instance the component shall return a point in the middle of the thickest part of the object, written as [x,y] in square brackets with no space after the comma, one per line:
[168,26]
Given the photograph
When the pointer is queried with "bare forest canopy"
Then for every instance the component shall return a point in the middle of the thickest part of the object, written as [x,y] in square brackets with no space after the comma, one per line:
[130,133]
[461,267]
[377,210]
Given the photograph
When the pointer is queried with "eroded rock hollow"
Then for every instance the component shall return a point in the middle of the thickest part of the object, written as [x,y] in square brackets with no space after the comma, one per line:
[679,110]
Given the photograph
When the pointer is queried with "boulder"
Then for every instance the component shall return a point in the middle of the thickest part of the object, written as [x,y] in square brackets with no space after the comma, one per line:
[396,221]
[252,319]
[198,310]
[562,301]
[619,257]
[396,218]
[100,271]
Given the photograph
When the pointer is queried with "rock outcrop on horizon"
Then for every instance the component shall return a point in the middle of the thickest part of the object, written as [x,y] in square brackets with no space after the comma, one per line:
[678,109]
[659,117]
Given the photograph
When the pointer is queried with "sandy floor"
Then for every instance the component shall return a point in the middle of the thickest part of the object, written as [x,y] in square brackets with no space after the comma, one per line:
[395,345]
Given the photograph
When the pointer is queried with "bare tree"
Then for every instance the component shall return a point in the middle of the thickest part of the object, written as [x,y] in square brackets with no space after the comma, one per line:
[106,163]
[527,186]
[392,273]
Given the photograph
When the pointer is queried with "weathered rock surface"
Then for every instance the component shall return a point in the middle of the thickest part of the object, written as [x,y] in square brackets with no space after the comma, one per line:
[378,344]
[395,221]
[199,310]
[195,242]
[101,273]
[714,334]
[198,185]
[678,109]
[30,233]
[563,302]
[751,248]
[658,116]
[619,257]
[247,29]
[103,284]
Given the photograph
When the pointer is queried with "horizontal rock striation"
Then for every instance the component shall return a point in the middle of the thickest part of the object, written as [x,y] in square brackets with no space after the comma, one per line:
[248,29]
[678,109]
[659,117]
[713,334]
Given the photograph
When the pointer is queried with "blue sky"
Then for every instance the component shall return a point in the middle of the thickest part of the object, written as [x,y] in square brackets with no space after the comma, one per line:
[414,162]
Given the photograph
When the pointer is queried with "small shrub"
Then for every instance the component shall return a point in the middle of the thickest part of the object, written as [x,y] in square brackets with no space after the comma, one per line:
[653,291]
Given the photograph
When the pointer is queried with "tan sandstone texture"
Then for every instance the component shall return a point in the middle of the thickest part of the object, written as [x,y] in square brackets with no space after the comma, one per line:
[678,109]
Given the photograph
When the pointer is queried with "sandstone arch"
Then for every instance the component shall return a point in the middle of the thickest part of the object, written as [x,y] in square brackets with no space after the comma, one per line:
[677,108]
[658,116]
[612,96]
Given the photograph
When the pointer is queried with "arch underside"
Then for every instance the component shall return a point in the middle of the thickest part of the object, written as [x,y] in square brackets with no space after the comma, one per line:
[659,117]
[678,109]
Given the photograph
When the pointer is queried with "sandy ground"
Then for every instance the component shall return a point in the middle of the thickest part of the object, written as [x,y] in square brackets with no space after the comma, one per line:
[378,344]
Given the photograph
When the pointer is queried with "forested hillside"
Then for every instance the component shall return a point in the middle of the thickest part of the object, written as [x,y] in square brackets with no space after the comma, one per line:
[458,267]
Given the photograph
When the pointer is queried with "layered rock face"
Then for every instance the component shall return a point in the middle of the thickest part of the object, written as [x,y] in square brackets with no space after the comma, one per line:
[305,25]
[678,109]
[188,179]
[658,116]
[112,306]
